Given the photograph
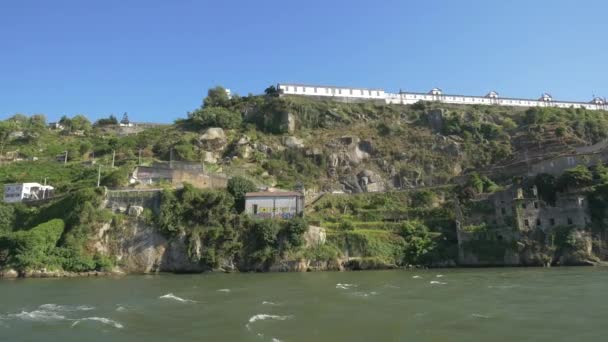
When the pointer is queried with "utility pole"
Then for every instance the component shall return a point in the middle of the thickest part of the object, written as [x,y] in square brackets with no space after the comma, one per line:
[113,157]
[171,158]
[65,158]
[98,175]
[139,160]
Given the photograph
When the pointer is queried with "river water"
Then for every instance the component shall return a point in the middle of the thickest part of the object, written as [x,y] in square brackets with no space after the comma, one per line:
[510,304]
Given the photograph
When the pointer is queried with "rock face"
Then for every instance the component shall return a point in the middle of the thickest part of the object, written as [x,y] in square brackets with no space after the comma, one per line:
[315,236]
[369,181]
[140,248]
[288,123]
[213,139]
[435,117]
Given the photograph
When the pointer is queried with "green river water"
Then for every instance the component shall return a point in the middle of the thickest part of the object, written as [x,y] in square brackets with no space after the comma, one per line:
[510,304]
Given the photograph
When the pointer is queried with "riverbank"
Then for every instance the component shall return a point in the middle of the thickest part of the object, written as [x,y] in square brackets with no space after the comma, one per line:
[12,274]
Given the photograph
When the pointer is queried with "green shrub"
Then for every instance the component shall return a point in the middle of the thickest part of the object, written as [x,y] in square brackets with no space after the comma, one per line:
[238,186]
[31,249]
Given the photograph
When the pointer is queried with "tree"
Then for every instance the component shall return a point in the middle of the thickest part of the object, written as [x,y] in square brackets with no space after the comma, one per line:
[37,121]
[217,97]
[109,121]
[80,122]
[125,119]
[419,243]
[293,231]
[238,186]
[271,91]
[216,117]
[576,177]
[6,128]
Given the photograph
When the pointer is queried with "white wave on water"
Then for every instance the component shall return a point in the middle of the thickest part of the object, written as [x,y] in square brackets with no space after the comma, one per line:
[345,286]
[364,294]
[480,316]
[38,316]
[49,313]
[223,290]
[65,308]
[176,298]
[391,286]
[269,303]
[121,308]
[101,320]
[263,317]
[434,282]
[416,277]
[276,340]
[439,275]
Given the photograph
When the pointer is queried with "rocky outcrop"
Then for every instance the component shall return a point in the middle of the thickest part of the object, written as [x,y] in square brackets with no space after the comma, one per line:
[314,236]
[288,123]
[213,142]
[435,119]
[370,181]
[213,139]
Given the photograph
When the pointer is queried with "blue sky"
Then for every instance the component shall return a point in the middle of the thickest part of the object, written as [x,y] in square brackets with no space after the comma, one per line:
[155,59]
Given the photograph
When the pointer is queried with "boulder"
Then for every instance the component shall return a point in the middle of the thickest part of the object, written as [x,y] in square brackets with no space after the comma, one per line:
[293,142]
[214,139]
[244,140]
[349,150]
[245,151]
[135,210]
[210,157]
[10,273]
[370,181]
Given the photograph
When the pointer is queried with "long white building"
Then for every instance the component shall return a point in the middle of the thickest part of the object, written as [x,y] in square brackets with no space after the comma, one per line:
[436,94]
[20,192]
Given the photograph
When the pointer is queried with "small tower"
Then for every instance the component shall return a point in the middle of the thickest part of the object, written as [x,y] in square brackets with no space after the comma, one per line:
[492,95]
[435,91]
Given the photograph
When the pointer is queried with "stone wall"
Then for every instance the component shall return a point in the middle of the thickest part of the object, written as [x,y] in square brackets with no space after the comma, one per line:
[122,200]
[199,180]
[180,175]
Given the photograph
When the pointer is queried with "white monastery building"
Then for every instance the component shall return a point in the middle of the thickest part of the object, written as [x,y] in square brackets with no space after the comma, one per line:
[436,94]
[20,192]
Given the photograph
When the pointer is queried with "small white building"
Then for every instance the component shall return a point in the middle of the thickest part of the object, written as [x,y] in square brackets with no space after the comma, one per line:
[19,192]
[285,205]
[57,126]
